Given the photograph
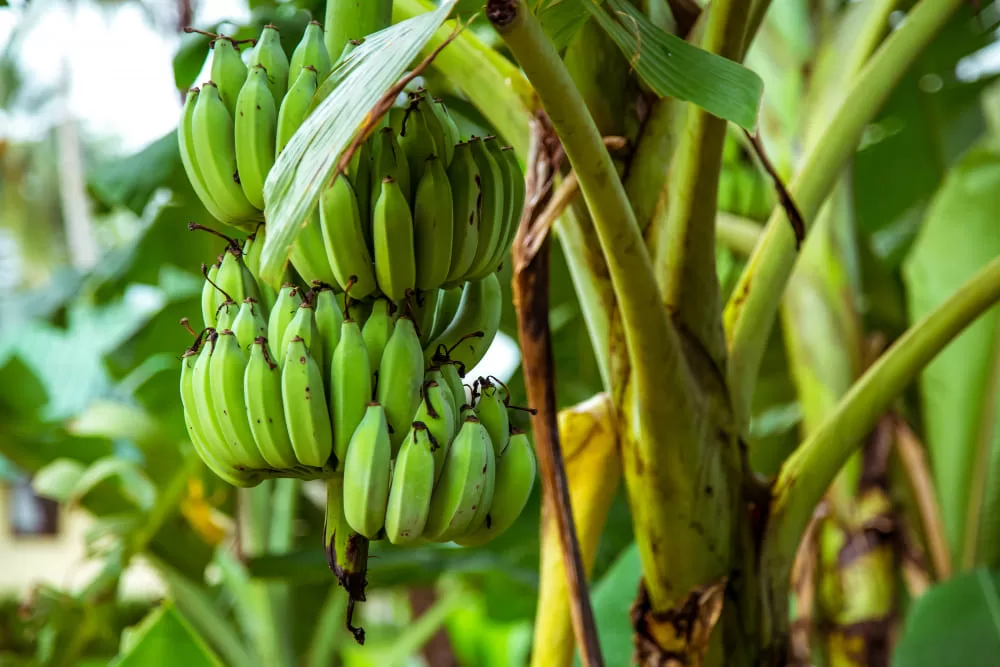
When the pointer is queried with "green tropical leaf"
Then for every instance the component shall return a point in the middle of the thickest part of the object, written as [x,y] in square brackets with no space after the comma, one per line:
[674,68]
[954,624]
[561,20]
[134,483]
[165,638]
[58,479]
[309,162]
[131,181]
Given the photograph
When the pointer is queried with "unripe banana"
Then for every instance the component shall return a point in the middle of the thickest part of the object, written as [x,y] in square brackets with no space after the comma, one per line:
[302,325]
[515,477]
[475,324]
[346,549]
[249,323]
[251,260]
[377,331]
[388,160]
[295,106]
[255,127]
[493,414]
[507,202]
[434,374]
[189,158]
[458,491]
[447,307]
[447,123]
[305,406]
[350,386]
[215,151]
[308,255]
[344,239]
[394,119]
[269,53]
[285,307]
[491,223]
[422,307]
[449,371]
[228,71]
[357,310]
[392,227]
[513,169]
[226,371]
[416,140]
[400,375]
[367,470]
[226,314]
[433,226]
[359,173]
[444,147]
[485,501]
[233,280]
[329,321]
[264,408]
[466,190]
[208,296]
[412,486]
[437,412]
[310,52]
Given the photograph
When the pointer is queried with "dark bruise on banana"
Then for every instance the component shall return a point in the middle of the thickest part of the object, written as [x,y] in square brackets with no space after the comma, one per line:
[352,372]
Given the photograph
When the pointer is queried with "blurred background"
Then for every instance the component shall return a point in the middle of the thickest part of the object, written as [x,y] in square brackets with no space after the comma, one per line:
[97,268]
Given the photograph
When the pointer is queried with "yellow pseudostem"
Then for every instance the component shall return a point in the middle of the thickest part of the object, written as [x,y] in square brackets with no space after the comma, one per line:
[593,468]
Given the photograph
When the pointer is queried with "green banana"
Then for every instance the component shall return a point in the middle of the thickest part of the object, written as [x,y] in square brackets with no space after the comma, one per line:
[359,173]
[388,160]
[204,400]
[310,52]
[308,255]
[367,470]
[232,281]
[285,307]
[349,21]
[433,226]
[209,294]
[350,385]
[513,168]
[482,508]
[377,331]
[449,371]
[346,550]
[358,310]
[491,223]
[271,56]
[392,228]
[437,413]
[412,486]
[264,408]
[444,147]
[507,202]
[226,315]
[255,129]
[294,107]
[422,308]
[251,259]
[460,488]
[303,326]
[400,375]
[447,123]
[189,158]
[305,406]
[466,190]
[342,228]
[475,325]
[434,374]
[416,140]
[394,119]
[215,152]
[446,309]
[226,370]
[228,71]
[249,323]
[329,321]
[515,477]
[493,414]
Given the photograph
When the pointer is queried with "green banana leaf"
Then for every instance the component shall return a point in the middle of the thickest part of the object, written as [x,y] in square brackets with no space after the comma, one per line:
[165,638]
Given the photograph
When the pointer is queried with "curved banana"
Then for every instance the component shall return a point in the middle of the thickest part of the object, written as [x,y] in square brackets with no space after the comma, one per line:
[204,400]
[422,307]
[185,143]
[359,173]
[285,307]
[434,374]
[507,203]
[458,491]
[411,487]
[475,324]
[493,414]
[346,550]
[304,404]
[343,234]
[388,160]
[482,508]
[367,470]
[208,296]
[433,226]
[308,255]
[295,106]
[215,151]
[449,371]
[233,282]
[310,52]
[400,375]
[226,370]
[392,228]
[444,147]
[377,331]
[451,137]
[227,71]
[491,222]
[329,321]
[303,326]
[515,477]
[255,127]
[516,176]
[249,323]
[437,413]
[466,190]
[446,309]
[264,408]
[350,386]
[269,54]
[226,315]
[251,259]
[416,139]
